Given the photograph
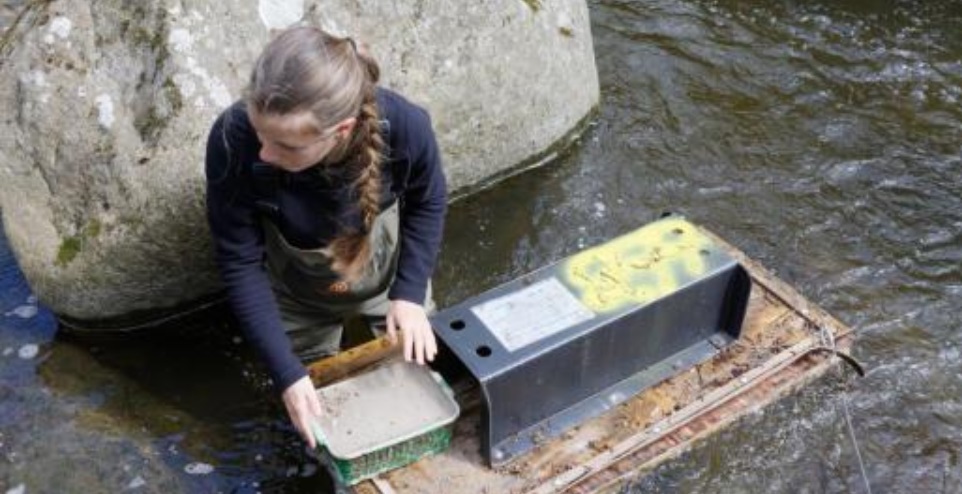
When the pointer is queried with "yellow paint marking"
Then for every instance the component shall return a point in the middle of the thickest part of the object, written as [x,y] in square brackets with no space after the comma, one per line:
[639,267]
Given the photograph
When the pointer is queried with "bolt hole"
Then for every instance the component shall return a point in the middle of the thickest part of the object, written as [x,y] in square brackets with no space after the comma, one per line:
[484,351]
[704,252]
[457,325]
[678,231]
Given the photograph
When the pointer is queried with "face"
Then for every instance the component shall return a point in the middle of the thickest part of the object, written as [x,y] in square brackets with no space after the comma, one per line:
[293,142]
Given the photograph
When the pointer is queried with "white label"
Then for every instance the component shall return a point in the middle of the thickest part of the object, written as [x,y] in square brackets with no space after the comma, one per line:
[532,313]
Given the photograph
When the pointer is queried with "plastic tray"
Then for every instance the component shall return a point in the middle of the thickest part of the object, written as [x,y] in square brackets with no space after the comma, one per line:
[384,419]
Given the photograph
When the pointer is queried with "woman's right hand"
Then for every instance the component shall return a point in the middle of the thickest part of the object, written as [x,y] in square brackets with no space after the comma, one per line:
[303,407]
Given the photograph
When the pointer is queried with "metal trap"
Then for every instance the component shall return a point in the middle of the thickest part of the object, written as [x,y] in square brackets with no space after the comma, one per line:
[567,342]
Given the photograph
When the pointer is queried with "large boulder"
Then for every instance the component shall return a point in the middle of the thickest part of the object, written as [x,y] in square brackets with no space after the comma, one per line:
[106,106]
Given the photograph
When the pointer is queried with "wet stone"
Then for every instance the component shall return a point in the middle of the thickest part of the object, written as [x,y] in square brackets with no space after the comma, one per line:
[28,351]
[198,468]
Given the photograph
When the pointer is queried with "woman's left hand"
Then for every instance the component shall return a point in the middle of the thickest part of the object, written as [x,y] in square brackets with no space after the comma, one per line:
[416,334]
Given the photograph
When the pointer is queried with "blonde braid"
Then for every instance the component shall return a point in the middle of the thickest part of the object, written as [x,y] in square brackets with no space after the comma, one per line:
[369,180]
[351,252]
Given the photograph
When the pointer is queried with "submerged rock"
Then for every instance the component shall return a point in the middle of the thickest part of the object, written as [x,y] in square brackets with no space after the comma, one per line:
[28,351]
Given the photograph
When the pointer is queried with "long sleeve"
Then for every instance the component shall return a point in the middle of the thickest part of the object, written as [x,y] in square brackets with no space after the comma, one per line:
[239,251]
[424,205]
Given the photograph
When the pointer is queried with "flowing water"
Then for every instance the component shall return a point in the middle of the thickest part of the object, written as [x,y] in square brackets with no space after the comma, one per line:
[822,138]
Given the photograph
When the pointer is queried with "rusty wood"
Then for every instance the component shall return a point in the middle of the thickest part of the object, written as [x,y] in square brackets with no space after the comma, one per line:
[777,385]
[333,368]
[724,401]
[382,486]
[369,487]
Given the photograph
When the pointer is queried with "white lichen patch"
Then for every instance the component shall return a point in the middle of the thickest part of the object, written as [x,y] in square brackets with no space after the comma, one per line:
[105,110]
[34,78]
[564,21]
[36,81]
[180,40]
[216,89]
[60,27]
[19,489]
[185,84]
[279,14]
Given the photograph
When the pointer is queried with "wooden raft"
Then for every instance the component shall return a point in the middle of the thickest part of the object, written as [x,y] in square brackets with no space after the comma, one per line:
[781,349]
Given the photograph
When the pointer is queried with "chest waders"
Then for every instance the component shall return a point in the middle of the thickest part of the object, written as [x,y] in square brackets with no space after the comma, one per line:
[313,300]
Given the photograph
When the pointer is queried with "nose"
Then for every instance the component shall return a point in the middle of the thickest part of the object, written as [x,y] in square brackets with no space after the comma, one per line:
[268,153]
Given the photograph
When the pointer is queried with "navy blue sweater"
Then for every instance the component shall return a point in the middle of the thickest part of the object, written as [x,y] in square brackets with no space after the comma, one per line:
[314,207]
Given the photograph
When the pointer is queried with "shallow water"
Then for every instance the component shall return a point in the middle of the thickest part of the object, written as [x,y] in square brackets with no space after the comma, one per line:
[823,138]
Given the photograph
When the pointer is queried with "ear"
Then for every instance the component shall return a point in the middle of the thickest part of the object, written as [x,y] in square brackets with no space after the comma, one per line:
[344,128]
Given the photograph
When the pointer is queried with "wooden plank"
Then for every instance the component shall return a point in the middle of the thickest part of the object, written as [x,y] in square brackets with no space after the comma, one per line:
[343,364]
[674,438]
[773,388]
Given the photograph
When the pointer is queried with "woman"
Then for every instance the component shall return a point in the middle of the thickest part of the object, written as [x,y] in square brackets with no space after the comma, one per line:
[325,199]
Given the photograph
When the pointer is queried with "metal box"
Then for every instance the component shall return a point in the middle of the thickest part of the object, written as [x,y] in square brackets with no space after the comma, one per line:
[573,339]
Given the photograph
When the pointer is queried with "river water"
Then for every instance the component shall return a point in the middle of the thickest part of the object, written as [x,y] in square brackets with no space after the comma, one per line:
[822,138]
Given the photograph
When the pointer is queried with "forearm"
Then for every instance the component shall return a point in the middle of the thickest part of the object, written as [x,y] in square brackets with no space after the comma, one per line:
[421,232]
[255,307]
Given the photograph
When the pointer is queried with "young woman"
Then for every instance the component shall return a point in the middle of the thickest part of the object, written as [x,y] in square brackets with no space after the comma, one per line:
[326,199]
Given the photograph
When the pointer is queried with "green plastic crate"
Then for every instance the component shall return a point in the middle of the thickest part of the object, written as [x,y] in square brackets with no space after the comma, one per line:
[384,419]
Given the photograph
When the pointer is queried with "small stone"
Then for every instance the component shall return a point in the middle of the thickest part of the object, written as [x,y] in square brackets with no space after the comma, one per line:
[23,312]
[198,468]
[28,351]
[137,483]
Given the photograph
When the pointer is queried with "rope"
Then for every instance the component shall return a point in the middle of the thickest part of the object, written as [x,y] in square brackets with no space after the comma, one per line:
[828,341]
